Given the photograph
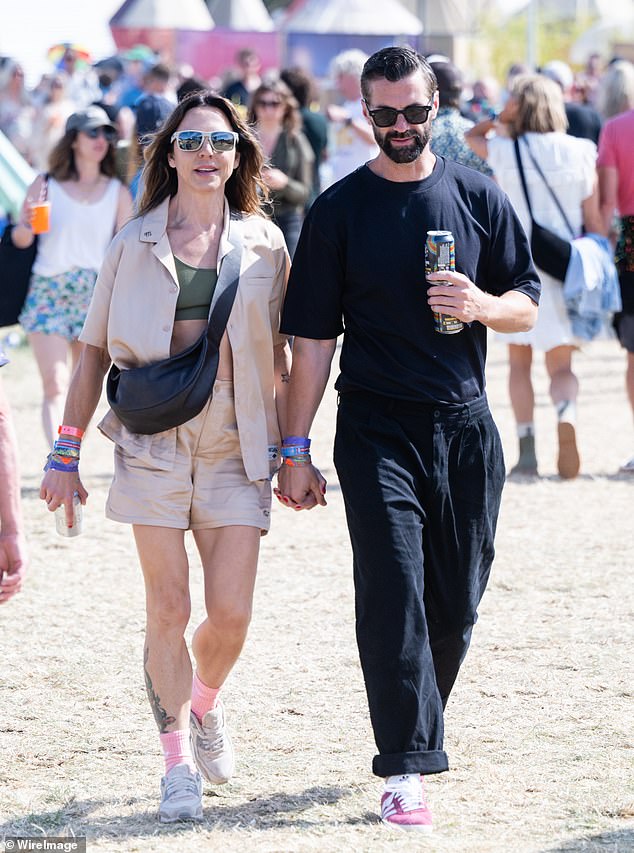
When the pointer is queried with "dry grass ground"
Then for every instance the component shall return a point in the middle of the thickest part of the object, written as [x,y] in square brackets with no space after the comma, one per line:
[539,730]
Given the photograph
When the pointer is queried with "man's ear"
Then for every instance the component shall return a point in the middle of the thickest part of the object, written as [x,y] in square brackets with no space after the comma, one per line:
[435,102]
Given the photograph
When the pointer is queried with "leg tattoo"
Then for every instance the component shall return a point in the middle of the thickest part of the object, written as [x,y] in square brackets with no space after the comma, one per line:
[160,714]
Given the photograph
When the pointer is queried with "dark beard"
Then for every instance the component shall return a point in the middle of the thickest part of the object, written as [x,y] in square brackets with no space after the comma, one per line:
[419,141]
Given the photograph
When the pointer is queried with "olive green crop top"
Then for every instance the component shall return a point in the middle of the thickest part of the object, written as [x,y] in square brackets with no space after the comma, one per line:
[196,291]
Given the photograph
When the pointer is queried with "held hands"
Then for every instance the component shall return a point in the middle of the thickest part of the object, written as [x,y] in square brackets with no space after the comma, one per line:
[58,487]
[456,295]
[300,487]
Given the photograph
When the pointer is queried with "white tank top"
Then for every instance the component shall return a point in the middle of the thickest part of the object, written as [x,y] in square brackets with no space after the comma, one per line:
[79,233]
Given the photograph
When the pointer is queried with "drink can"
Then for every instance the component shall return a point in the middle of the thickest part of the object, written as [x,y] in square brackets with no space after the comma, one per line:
[60,519]
[440,254]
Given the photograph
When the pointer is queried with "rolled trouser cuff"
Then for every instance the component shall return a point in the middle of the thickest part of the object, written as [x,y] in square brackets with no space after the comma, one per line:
[426,763]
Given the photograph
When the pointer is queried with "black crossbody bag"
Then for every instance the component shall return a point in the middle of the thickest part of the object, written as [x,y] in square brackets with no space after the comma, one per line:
[168,393]
[550,251]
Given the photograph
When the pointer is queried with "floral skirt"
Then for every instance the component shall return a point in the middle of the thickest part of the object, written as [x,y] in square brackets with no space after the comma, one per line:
[57,305]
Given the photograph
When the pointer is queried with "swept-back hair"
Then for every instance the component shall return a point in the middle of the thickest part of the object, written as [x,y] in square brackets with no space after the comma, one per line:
[245,190]
[393,64]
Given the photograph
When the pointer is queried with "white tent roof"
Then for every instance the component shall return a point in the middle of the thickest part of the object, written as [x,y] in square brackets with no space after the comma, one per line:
[241,15]
[361,17]
[164,14]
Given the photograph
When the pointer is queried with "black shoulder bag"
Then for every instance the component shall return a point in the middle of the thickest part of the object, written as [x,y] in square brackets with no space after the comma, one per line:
[15,271]
[550,251]
[168,393]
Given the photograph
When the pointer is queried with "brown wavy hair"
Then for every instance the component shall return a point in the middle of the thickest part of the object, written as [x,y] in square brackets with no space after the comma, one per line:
[291,118]
[245,190]
[61,161]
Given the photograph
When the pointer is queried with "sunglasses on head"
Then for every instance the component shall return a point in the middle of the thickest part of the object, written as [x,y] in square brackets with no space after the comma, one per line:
[108,133]
[193,140]
[265,103]
[387,116]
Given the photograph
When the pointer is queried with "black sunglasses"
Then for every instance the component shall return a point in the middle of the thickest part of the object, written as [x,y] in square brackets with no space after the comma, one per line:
[388,116]
[264,103]
[109,133]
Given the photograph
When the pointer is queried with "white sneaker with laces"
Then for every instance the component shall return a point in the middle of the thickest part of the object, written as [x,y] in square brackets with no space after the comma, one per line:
[181,795]
[211,745]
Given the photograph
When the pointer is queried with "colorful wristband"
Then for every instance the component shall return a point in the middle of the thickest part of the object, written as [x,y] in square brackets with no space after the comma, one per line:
[71,430]
[293,450]
[291,440]
[297,461]
[54,463]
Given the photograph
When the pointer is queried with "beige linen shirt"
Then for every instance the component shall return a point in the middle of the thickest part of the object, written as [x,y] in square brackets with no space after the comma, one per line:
[132,311]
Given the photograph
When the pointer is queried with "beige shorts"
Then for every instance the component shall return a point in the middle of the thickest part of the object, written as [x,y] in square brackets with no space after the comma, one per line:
[207,485]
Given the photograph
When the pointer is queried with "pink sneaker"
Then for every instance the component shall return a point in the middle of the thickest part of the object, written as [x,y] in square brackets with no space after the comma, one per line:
[403,803]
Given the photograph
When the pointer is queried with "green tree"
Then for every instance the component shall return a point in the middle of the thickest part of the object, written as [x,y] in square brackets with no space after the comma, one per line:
[506,46]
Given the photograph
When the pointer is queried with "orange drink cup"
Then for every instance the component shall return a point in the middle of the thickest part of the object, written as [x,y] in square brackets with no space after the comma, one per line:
[40,217]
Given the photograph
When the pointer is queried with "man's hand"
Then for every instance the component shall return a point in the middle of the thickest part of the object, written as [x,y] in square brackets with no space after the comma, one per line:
[301,487]
[457,296]
[13,564]
[59,487]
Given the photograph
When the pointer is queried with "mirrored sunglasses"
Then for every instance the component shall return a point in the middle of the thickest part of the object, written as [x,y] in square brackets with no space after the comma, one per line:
[388,116]
[193,140]
[108,133]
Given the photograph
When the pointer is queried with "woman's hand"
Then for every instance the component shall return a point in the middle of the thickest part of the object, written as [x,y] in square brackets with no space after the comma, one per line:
[275,179]
[301,487]
[59,487]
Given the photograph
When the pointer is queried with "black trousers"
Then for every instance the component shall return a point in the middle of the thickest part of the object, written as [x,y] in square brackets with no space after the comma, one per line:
[422,487]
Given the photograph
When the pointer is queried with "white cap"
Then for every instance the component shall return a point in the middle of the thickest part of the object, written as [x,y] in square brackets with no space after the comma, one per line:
[559,72]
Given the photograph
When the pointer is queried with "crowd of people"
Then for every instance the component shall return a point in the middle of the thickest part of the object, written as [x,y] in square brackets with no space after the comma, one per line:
[171,198]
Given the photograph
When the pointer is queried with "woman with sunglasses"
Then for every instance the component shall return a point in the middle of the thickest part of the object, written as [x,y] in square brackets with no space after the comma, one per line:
[288,174]
[202,200]
[87,206]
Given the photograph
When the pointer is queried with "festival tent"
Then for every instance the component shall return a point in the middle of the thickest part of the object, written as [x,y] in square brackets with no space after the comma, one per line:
[186,32]
[319,29]
[245,15]
[239,24]
[609,36]
[157,23]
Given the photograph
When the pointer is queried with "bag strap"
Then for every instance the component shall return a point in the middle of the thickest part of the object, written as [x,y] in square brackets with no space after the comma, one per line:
[226,288]
[44,187]
[546,184]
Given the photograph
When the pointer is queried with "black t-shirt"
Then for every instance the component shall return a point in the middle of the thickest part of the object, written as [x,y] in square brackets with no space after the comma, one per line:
[359,268]
[583,121]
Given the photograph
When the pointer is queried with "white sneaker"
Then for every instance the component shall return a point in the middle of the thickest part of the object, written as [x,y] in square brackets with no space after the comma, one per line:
[181,795]
[211,745]
[627,467]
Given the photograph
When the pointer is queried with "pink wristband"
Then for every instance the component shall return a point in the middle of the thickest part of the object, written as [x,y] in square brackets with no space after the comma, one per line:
[70,430]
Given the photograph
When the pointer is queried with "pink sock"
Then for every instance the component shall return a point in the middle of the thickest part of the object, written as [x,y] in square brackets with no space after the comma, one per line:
[203,698]
[176,750]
